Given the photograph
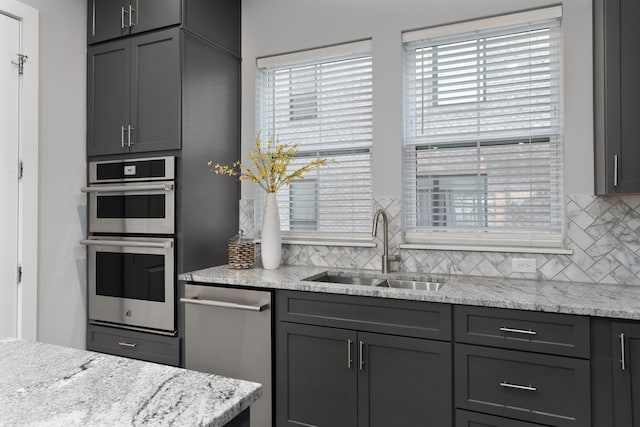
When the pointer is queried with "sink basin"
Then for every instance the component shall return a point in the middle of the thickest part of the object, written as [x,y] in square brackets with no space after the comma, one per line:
[411,284]
[347,280]
[380,283]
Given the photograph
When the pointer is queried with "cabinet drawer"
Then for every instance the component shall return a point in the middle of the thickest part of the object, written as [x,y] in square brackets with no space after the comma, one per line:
[473,419]
[133,344]
[538,388]
[395,317]
[552,333]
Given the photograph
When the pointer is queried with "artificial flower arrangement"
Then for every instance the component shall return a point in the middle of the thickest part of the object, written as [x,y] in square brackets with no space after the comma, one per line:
[270,165]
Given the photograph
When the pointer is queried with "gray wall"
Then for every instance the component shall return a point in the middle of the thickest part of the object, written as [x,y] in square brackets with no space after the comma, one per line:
[62,163]
[279,26]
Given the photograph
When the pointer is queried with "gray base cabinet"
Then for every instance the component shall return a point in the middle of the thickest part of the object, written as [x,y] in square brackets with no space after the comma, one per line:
[626,373]
[317,377]
[403,381]
[474,419]
[332,376]
[538,388]
[134,344]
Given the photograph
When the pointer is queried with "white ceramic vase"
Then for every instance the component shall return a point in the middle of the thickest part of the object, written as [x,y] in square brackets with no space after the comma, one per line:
[271,245]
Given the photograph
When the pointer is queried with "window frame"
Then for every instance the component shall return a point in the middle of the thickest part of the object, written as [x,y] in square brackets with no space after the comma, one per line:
[475,240]
[316,58]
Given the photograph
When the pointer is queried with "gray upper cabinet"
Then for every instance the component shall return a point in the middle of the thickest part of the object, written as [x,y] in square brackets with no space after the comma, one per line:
[626,374]
[110,19]
[617,89]
[108,97]
[217,22]
[133,99]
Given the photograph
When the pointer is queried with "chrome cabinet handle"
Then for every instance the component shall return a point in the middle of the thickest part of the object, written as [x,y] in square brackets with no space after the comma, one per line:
[361,355]
[623,364]
[518,387]
[224,304]
[127,188]
[518,331]
[122,13]
[129,129]
[122,136]
[127,243]
[349,357]
[127,344]
[615,170]
[131,12]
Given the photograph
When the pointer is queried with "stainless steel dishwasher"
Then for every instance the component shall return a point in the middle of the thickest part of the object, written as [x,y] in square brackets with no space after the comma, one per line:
[228,332]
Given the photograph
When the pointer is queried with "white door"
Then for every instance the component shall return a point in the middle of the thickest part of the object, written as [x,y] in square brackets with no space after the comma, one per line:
[9,125]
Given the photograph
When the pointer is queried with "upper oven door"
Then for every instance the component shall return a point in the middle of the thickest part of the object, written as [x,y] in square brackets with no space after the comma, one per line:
[147,208]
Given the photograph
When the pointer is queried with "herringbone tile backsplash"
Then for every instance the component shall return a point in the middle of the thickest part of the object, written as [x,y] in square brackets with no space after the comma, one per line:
[603,232]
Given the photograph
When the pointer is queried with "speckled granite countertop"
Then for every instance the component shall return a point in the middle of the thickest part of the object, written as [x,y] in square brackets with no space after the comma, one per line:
[47,385]
[592,299]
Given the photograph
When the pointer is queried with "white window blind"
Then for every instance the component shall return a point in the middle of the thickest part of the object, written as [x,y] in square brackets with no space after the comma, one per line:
[483,135]
[321,101]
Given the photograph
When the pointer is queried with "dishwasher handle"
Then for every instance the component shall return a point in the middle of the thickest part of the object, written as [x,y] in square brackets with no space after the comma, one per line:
[224,304]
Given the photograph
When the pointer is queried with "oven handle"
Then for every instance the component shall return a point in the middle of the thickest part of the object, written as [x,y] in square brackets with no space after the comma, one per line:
[129,243]
[124,188]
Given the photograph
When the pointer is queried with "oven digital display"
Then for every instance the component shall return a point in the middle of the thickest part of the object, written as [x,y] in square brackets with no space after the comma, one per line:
[133,276]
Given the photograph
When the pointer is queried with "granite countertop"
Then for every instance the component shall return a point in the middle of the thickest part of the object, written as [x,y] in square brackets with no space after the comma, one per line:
[42,384]
[616,301]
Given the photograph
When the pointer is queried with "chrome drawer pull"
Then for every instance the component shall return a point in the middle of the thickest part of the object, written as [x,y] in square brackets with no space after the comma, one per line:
[349,357]
[127,344]
[361,355]
[623,364]
[518,331]
[518,387]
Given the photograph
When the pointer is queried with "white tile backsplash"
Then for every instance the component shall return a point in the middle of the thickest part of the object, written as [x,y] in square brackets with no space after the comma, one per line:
[603,232]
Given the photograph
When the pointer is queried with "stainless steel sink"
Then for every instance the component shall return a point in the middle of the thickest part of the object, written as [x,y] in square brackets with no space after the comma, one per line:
[347,280]
[431,286]
[412,284]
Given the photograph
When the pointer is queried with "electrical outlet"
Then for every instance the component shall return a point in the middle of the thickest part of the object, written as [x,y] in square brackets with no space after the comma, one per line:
[523,265]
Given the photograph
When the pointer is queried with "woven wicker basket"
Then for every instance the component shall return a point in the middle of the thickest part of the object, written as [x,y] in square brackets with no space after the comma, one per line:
[242,252]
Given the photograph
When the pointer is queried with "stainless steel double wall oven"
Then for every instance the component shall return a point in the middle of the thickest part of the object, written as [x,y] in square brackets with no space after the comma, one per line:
[131,250]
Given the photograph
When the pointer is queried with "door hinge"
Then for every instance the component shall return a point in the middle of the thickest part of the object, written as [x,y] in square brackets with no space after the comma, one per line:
[19,274]
[20,169]
[21,60]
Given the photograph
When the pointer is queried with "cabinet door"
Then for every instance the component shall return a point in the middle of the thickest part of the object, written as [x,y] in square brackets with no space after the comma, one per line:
[153,14]
[403,381]
[626,374]
[108,94]
[622,90]
[317,382]
[155,88]
[107,19]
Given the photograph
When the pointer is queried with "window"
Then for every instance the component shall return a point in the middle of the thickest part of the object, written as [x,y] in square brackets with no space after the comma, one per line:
[483,131]
[321,100]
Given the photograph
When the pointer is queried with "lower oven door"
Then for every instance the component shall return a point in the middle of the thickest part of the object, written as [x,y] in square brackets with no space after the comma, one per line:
[131,282]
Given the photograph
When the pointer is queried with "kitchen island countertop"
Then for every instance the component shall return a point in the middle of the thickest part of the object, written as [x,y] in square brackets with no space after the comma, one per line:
[43,384]
[591,299]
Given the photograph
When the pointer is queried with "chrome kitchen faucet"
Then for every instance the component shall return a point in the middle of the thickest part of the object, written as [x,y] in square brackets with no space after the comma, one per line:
[385,239]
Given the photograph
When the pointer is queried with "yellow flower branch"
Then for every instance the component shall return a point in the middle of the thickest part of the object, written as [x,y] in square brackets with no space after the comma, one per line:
[270,165]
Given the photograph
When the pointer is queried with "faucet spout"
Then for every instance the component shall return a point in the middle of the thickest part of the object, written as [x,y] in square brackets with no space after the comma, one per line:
[380,213]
